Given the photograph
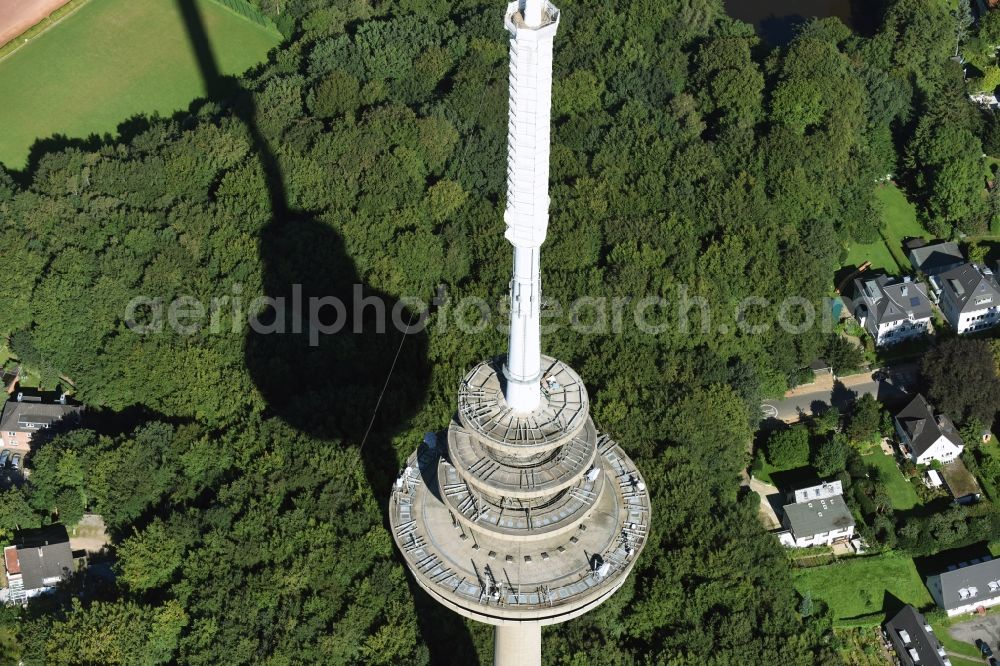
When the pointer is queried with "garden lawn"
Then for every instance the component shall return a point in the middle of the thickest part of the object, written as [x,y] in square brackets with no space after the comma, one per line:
[111,60]
[989,451]
[795,476]
[877,253]
[899,221]
[765,472]
[962,661]
[855,587]
[901,492]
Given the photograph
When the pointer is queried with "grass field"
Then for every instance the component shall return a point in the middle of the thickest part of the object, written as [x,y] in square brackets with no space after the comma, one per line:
[765,473]
[797,476]
[857,586]
[899,221]
[111,60]
[902,494]
[877,253]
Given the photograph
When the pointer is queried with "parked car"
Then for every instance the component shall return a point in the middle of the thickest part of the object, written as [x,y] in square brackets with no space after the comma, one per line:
[984,648]
[3,458]
[15,462]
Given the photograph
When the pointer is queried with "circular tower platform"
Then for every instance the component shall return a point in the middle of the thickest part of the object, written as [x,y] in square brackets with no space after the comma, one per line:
[520,518]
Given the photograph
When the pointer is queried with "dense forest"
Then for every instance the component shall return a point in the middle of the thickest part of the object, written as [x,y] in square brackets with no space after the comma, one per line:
[243,476]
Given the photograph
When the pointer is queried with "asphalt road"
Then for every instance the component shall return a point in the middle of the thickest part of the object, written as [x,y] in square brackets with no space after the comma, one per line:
[892,390]
[987,628]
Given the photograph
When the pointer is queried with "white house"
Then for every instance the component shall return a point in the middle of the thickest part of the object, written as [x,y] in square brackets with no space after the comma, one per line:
[927,437]
[823,490]
[892,310]
[966,587]
[970,298]
[816,522]
[37,562]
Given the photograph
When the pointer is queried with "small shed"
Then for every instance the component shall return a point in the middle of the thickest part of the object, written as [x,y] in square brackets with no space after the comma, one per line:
[932,479]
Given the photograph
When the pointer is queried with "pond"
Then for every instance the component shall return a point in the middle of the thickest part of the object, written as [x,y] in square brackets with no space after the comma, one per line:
[776,20]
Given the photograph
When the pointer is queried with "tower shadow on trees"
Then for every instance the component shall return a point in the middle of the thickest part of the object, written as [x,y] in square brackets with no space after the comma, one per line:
[358,383]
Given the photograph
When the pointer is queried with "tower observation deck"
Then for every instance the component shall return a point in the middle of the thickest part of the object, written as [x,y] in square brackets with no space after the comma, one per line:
[526,515]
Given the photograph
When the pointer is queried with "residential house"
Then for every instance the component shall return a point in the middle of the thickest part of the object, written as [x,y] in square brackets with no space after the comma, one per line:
[816,522]
[913,639]
[986,100]
[27,418]
[926,437]
[37,561]
[892,310]
[966,587]
[935,258]
[970,298]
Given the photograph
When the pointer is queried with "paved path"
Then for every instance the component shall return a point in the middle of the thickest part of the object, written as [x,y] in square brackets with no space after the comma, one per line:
[987,628]
[770,502]
[89,534]
[894,389]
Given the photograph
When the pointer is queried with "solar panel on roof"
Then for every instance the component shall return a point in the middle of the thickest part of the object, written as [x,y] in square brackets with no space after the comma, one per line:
[914,301]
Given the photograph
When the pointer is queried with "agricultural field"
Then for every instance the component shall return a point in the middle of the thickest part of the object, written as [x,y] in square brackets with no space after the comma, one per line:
[857,587]
[111,60]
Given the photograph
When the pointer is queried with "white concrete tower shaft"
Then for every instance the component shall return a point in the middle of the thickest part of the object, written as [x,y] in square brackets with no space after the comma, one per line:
[532,25]
[524,515]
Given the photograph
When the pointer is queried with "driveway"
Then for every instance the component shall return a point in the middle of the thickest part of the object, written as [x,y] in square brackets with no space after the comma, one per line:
[986,628]
[89,534]
[894,388]
[770,502]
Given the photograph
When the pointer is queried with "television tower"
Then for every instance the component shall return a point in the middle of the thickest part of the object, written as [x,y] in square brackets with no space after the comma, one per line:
[528,515]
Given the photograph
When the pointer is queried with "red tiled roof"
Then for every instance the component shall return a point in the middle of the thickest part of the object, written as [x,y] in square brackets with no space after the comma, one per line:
[11,561]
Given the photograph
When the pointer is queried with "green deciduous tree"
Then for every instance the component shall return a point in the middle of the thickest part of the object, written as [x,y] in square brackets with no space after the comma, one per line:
[962,379]
[788,448]
[829,457]
[865,421]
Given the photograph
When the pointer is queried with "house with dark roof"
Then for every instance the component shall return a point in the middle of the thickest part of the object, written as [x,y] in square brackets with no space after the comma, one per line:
[967,587]
[926,436]
[890,309]
[934,258]
[970,298]
[913,639]
[30,417]
[815,522]
[37,561]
